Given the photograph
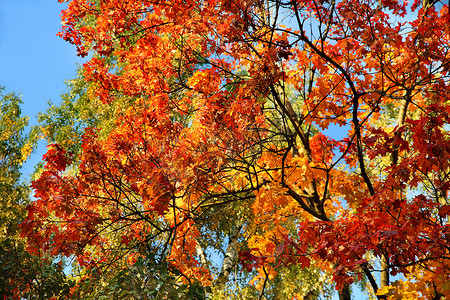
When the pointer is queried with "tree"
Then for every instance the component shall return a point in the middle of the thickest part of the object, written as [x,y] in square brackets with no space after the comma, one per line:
[22,275]
[13,151]
[228,136]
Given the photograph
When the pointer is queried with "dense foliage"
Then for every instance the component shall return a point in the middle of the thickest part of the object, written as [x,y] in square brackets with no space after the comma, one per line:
[307,140]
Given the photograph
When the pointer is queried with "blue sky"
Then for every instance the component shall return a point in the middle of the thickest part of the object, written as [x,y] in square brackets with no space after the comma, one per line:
[34,62]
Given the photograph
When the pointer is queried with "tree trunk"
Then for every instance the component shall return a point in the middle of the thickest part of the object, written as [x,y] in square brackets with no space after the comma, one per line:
[384,271]
[345,294]
[230,259]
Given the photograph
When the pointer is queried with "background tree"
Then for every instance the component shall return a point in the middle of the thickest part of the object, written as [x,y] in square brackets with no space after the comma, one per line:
[232,105]
[14,192]
[22,275]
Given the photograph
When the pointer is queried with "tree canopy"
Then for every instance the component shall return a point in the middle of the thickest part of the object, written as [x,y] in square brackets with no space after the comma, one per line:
[300,140]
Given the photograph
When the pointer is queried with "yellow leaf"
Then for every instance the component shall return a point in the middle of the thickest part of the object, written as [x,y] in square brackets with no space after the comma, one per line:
[383,291]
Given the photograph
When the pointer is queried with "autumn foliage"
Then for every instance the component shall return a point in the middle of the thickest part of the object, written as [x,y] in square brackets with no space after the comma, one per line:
[317,129]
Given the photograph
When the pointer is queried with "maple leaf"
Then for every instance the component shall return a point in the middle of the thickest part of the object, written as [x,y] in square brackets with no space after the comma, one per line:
[56,158]
[250,261]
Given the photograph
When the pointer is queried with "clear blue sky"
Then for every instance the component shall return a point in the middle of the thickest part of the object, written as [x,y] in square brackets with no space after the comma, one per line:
[34,62]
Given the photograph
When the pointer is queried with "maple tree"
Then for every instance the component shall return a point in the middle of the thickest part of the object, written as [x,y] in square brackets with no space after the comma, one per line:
[224,113]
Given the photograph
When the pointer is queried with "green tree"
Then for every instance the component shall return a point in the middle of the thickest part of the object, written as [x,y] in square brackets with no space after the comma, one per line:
[22,275]
[13,151]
